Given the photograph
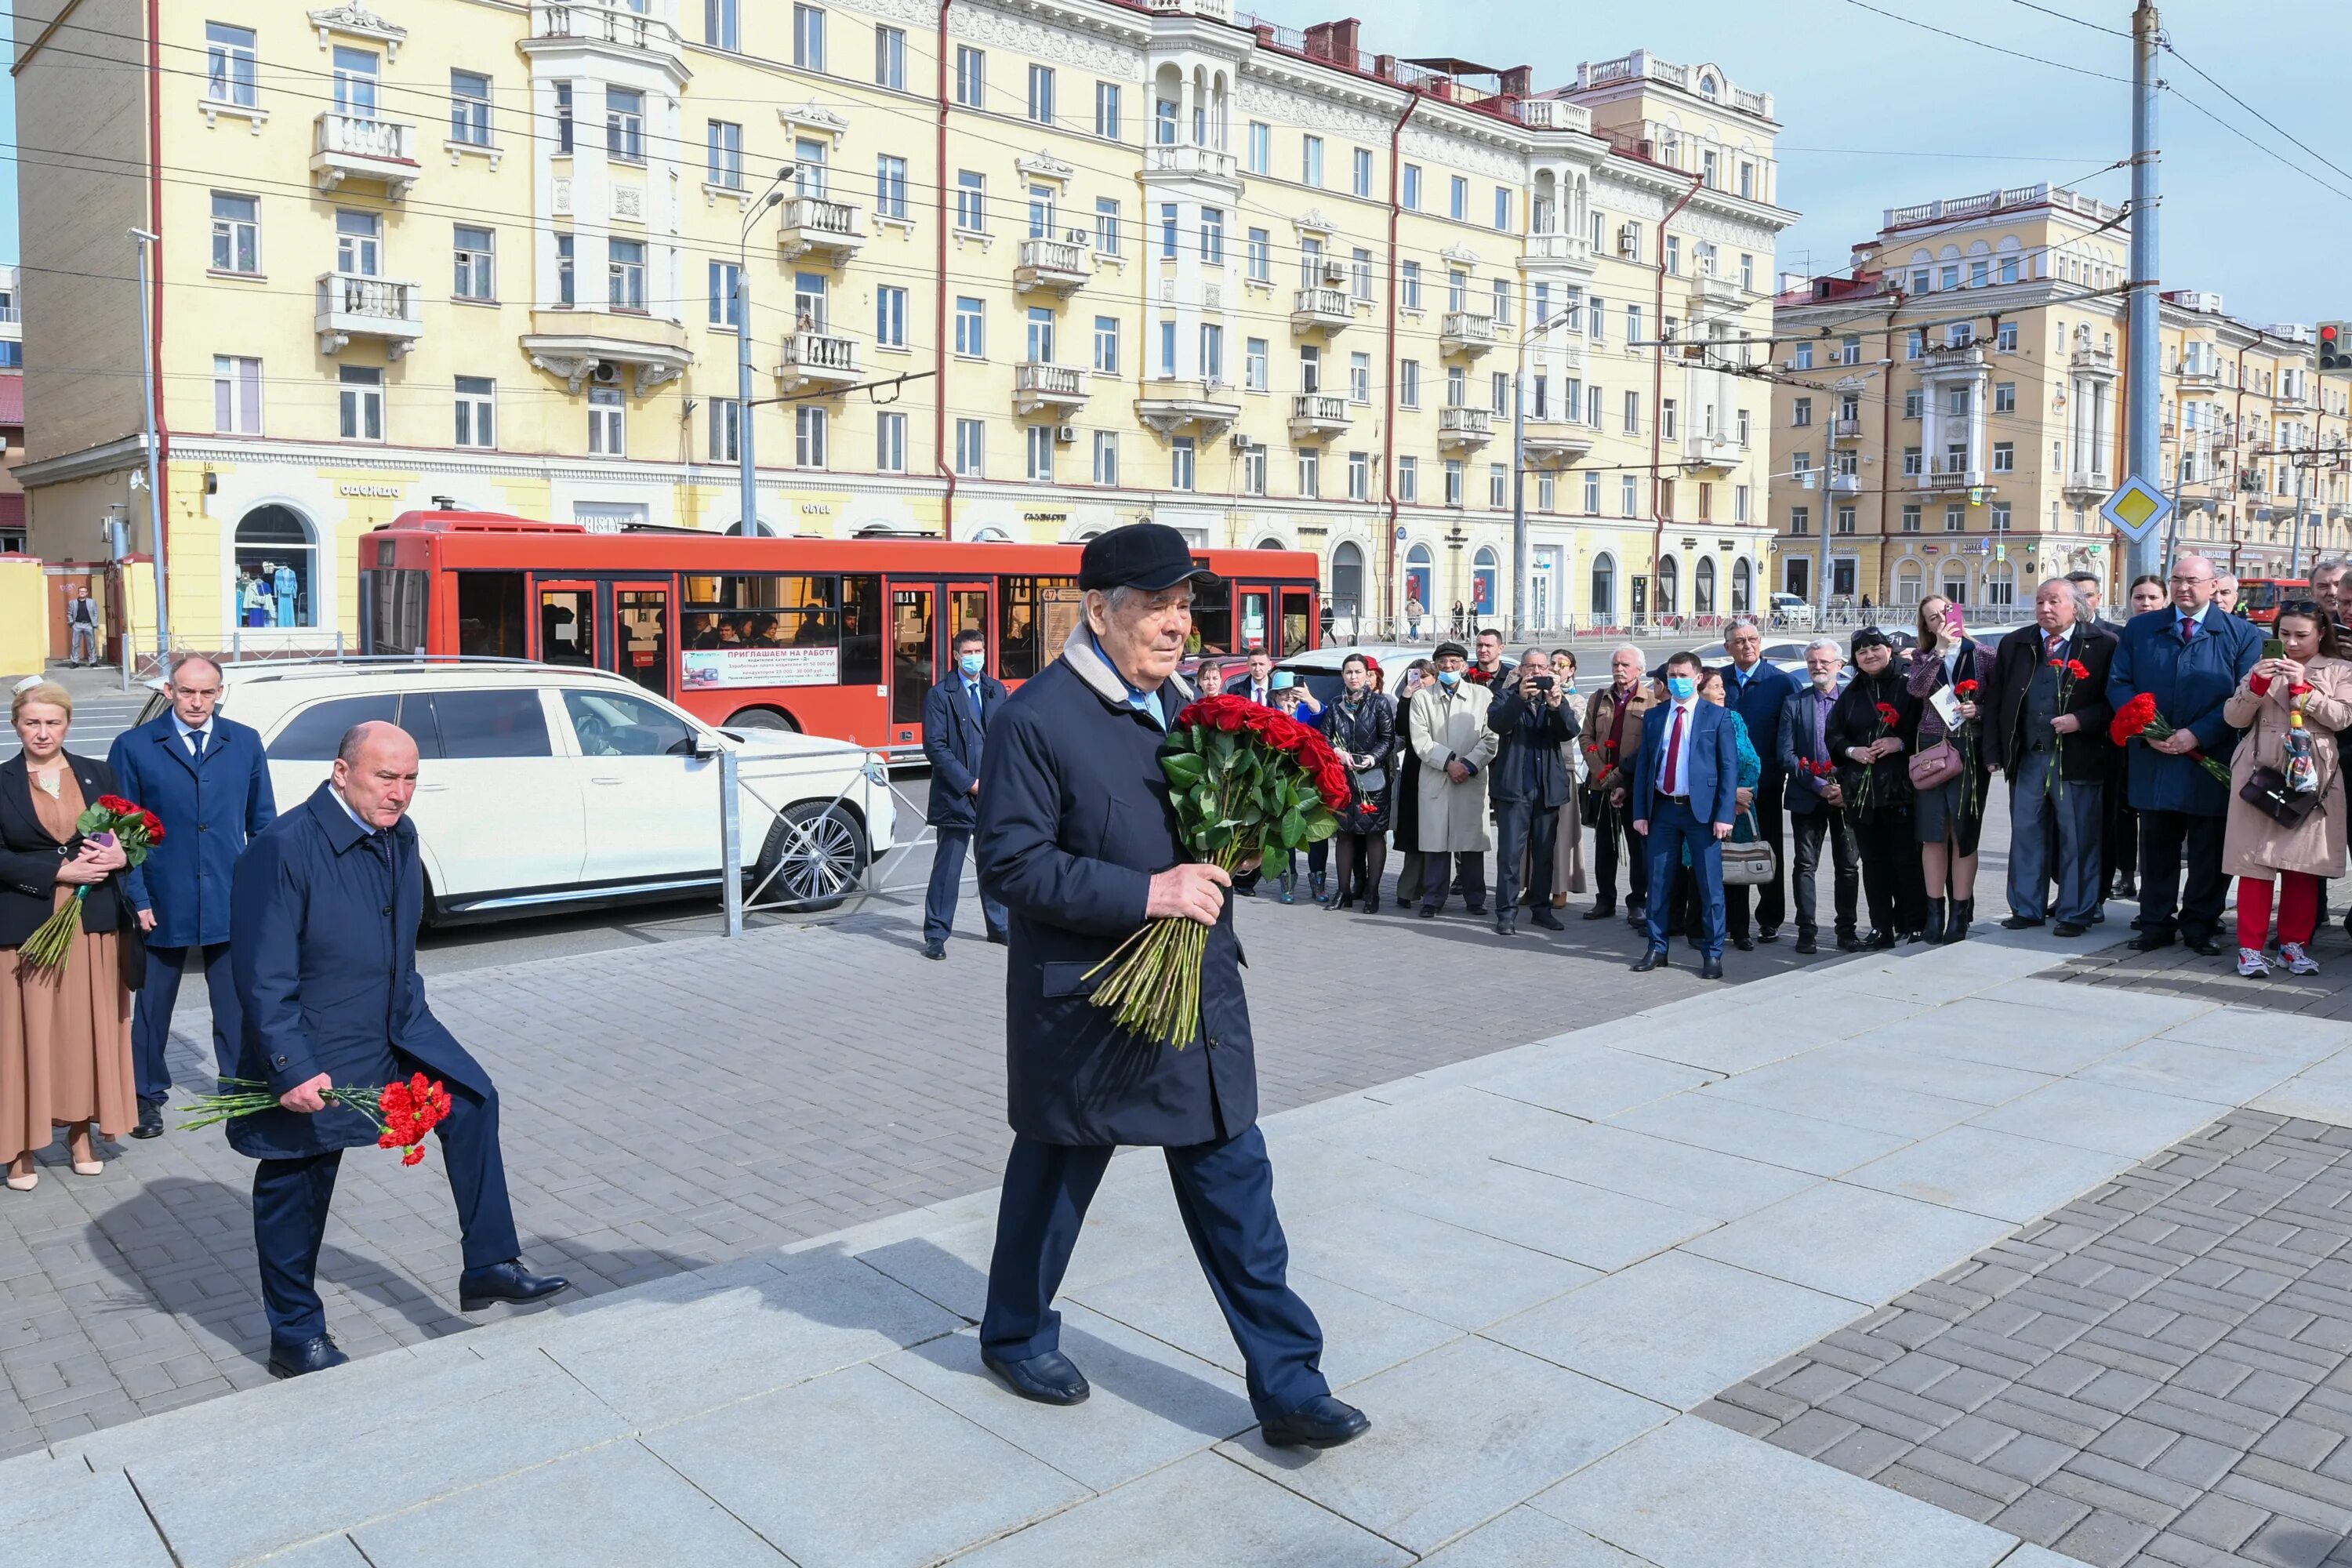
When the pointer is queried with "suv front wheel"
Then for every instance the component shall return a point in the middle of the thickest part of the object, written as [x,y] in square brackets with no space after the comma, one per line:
[813,860]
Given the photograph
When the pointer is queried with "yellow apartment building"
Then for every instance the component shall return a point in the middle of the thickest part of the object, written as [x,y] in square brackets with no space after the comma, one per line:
[1949,413]
[1014,271]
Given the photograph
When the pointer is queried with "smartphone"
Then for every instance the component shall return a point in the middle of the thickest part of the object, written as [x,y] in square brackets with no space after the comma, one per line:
[1952,619]
[2273,647]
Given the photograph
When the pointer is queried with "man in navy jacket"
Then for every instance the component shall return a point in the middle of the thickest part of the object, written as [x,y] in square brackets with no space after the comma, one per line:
[1759,693]
[1685,792]
[1077,838]
[2190,656]
[207,779]
[323,946]
[955,723]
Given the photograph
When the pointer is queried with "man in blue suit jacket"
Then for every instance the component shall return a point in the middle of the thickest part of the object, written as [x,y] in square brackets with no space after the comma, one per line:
[1685,794]
[2190,656]
[323,946]
[955,721]
[1759,693]
[207,778]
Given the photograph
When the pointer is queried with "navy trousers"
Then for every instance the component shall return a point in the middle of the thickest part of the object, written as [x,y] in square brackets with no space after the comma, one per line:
[2054,836]
[290,1211]
[1672,825]
[947,881]
[150,1021]
[1224,1192]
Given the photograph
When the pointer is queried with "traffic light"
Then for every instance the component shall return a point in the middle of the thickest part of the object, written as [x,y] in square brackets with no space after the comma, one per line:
[2335,346]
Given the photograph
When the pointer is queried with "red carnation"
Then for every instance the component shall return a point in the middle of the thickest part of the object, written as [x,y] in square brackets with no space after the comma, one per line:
[2078,669]
[1889,714]
[1966,689]
[2132,717]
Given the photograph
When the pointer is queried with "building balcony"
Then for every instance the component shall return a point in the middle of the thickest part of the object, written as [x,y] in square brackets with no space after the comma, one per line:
[1967,359]
[2206,372]
[604,25]
[1845,432]
[582,346]
[1321,310]
[386,309]
[1707,451]
[1468,332]
[355,147]
[2092,362]
[1465,429]
[1555,442]
[1313,415]
[1057,266]
[1571,250]
[817,359]
[1845,485]
[1202,409]
[1037,385]
[2087,486]
[2292,399]
[1185,160]
[1936,477]
[811,225]
[2338,511]
[1710,293]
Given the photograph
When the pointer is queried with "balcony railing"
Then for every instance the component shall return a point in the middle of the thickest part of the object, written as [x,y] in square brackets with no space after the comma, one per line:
[1057,264]
[356,146]
[1183,158]
[1845,429]
[816,356]
[1574,248]
[813,223]
[1321,307]
[2097,361]
[1469,332]
[1464,427]
[603,21]
[1313,412]
[1036,384]
[1553,114]
[353,307]
[2090,481]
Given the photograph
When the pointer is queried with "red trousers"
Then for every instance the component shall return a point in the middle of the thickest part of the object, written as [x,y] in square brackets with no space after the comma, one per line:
[2298,914]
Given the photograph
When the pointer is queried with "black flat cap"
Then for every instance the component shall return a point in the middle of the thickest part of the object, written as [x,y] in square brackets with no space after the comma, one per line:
[1869,637]
[1455,649]
[1147,555]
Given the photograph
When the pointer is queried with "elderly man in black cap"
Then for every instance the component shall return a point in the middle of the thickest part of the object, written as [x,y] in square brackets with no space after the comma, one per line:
[1078,842]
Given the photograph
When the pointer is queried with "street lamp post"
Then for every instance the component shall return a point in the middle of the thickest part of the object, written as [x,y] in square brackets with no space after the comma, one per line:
[746,471]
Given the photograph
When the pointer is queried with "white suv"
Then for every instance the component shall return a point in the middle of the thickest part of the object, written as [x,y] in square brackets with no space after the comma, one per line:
[545,788]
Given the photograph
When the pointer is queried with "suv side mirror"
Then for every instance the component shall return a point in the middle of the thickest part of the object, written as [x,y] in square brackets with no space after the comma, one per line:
[705,743]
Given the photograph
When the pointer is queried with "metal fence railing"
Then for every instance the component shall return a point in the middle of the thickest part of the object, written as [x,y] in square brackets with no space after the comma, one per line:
[822,858]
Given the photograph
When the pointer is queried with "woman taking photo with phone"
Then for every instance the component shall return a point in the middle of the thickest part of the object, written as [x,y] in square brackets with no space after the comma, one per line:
[2286,805]
[1950,776]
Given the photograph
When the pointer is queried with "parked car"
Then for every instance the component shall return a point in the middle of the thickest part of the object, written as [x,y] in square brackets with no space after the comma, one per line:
[547,787]
[1319,667]
[1790,610]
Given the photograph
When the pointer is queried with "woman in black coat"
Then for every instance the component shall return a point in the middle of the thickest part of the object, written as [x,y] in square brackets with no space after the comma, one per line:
[1361,724]
[1872,750]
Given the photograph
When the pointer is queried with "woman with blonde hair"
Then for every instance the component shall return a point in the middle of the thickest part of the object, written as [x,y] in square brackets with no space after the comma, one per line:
[65,1032]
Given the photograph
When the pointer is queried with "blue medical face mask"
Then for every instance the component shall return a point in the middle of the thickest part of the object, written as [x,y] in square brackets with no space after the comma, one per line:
[1449,677]
[971,663]
[1681,688]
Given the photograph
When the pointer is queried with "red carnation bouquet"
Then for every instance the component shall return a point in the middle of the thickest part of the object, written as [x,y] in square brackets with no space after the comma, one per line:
[404,1111]
[114,820]
[1246,782]
[2139,718]
[1863,794]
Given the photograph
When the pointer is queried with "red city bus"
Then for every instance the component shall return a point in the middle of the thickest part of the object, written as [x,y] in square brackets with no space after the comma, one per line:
[837,637]
[2259,598]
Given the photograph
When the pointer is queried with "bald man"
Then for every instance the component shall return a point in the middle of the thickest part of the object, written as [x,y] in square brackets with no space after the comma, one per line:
[323,913]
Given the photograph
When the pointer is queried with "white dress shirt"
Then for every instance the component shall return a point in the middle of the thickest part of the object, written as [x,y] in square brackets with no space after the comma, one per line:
[1675,763]
[186,730]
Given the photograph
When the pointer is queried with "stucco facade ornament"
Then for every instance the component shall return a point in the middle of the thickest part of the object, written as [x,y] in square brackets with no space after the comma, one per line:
[1027,36]
[359,22]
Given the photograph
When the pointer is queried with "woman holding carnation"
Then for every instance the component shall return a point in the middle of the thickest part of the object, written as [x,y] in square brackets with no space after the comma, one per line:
[64,1031]
[1948,816]
[1361,724]
[2291,709]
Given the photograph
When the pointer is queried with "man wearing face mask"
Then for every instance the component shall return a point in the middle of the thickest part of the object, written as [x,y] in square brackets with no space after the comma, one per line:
[955,724]
[1687,784]
[1816,802]
[1448,722]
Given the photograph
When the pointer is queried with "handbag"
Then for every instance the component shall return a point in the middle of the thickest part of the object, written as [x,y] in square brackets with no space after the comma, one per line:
[1939,764]
[2266,791]
[1747,863]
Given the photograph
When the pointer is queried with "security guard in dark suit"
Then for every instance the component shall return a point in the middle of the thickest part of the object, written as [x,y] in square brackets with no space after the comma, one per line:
[955,729]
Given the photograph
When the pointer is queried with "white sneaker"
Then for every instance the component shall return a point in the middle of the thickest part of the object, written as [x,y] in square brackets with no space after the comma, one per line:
[2251,963]
[2298,961]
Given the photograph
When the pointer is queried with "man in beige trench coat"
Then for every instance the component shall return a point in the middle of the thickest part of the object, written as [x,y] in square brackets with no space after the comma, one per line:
[1448,720]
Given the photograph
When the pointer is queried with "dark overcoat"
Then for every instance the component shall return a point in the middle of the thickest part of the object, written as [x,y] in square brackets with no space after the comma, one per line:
[29,856]
[2084,757]
[1760,701]
[1073,821]
[323,949]
[1797,747]
[1554,728]
[209,810]
[952,744]
[2190,682]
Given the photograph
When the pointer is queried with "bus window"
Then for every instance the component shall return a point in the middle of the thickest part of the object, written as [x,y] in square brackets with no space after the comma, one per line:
[1298,621]
[967,612]
[397,602]
[763,612]
[567,626]
[911,653]
[1255,612]
[1035,616]
[489,615]
[1213,617]
[861,630]
[641,626]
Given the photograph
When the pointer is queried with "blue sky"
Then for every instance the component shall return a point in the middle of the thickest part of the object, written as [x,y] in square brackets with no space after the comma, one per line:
[1950,119]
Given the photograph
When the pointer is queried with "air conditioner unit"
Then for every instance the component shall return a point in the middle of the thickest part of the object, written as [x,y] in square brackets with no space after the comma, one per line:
[606,373]
[1241,443]
[1629,240]
[1335,273]
[1065,434]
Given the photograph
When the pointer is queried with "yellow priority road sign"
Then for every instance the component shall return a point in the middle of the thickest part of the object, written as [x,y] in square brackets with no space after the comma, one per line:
[2138,508]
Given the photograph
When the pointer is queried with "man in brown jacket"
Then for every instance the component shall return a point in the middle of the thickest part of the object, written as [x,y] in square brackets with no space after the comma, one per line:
[1612,745]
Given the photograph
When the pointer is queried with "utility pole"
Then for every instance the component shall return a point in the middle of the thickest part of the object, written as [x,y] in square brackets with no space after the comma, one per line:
[1520,493]
[2305,461]
[148,394]
[1829,476]
[2141,453]
[747,481]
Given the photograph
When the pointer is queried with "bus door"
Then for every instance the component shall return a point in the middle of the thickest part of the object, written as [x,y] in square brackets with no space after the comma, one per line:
[925,617]
[1253,618]
[567,623]
[1298,621]
[643,634]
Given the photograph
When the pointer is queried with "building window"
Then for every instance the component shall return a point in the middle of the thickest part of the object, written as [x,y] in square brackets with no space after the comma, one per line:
[1409,479]
[1039,444]
[1166,348]
[1502,301]
[1669,424]
[726,430]
[1913,402]
[1106,345]
[363,403]
[1106,457]
[1359,476]
[1911,517]
[1629,499]
[1213,353]
[970,75]
[1260,252]
[723,154]
[625,274]
[889,318]
[2004,456]
[1359,378]
[1261,138]
[607,437]
[2000,516]
[1105,226]
[1253,364]
[721,25]
[1502,209]
[1499,392]
[2004,397]
[476,264]
[563,119]
[1213,236]
[1041,335]
[563,287]
[809,427]
[1800,413]
[1107,110]
[2004,337]
[1041,94]
[808,38]
[625,124]
[890,58]
[972,201]
[1956,519]
[236,233]
[1800,520]
[469,107]
[1915,344]
[236,395]
[1453,481]
[890,443]
[1310,161]
[229,62]
[1310,472]
[1362,160]
[1408,286]
[1633,421]
[1845,520]
[1457,200]
[1179,463]
[1409,383]
[890,187]
[971,327]
[968,447]
[1498,485]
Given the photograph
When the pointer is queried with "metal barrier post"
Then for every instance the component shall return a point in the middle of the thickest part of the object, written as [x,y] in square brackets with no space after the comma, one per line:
[730,838]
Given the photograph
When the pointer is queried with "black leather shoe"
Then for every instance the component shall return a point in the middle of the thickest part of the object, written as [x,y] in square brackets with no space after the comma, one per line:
[1880,941]
[1545,919]
[2150,941]
[1601,911]
[1427,913]
[1049,1379]
[2020,922]
[508,1281]
[1710,969]
[1000,938]
[1653,959]
[1806,945]
[2068,928]
[1849,942]
[310,1356]
[1745,943]
[1637,918]
[1322,1422]
[935,950]
[2203,946]
[1769,934]
[150,1120]
[1506,926]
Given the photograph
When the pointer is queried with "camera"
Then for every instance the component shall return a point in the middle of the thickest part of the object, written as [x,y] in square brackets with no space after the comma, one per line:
[1540,682]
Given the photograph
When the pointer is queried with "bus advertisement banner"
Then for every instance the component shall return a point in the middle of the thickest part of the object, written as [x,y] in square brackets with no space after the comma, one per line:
[714,669]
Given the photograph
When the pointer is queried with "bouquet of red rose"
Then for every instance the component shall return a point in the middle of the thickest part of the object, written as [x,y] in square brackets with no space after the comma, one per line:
[403,1112]
[2139,718]
[1247,783]
[114,820]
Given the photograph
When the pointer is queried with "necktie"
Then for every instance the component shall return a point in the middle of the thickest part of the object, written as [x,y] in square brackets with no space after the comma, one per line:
[196,744]
[1674,747]
[2188,630]
[978,717]
[2057,645]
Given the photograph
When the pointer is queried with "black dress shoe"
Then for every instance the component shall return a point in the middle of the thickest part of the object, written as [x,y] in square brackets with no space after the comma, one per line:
[310,1356]
[1744,943]
[2021,922]
[1545,919]
[2203,946]
[1428,912]
[1880,941]
[1769,934]
[1506,926]
[1322,1422]
[150,1120]
[1049,1379]
[1710,969]
[1001,937]
[2068,928]
[508,1281]
[2150,941]
[1599,912]
[1849,942]
[935,950]
[1806,944]
[1653,959]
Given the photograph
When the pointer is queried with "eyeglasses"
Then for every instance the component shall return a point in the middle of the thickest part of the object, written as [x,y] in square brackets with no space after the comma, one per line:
[2300,607]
